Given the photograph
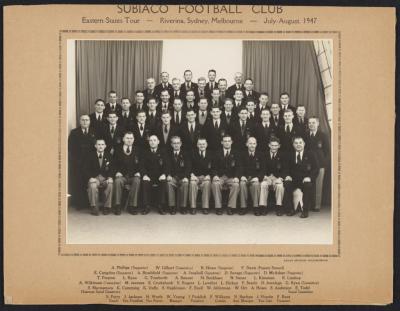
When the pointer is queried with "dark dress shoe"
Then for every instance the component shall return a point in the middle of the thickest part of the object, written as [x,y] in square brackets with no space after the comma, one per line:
[145,210]
[193,211]
[133,210]
[264,211]
[230,211]
[291,213]
[117,210]
[106,210]
[257,212]
[205,211]
[242,211]
[94,211]
[219,211]
[315,209]
[172,210]
[183,211]
[304,214]
[279,213]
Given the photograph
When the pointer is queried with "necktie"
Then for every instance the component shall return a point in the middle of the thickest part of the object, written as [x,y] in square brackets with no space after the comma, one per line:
[312,134]
[164,86]
[176,94]
[128,150]
[273,156]
[191,129]
[166,129]
[141,127]
[153,150]
[202,154]
[176,156]
[301,120]
[276,119]
[125,115]
[203,114]
[85,131]
[100,159]
[226,154]
[112,107]
[187,85]
[98,118]
[112,130]
[243,126]
[177,118]
[287,129]
[216,124]
[298,158]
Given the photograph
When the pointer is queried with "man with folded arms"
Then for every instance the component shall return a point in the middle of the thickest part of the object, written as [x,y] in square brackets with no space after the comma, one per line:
[200,178]
[252,174]
[127,168]
[227,173]
[178,174]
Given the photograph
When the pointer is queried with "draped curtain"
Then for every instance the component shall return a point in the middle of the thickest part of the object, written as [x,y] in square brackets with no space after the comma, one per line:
[121,66]
[289,66]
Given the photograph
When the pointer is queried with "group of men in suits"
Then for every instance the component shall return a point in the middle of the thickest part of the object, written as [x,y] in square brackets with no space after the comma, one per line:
[179,138]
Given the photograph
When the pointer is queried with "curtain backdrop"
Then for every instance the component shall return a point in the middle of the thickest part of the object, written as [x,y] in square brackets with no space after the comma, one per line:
[122,66]
[289,66]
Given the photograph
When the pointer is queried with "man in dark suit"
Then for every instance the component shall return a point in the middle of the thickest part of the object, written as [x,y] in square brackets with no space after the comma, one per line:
[276,117]
[237,86]
[200,178]
[153,116]
[112,105]
[190,131]
[249,92]
[165,131]
[113,133]
[251,106]
[98,171]
[154,169]
[301,174]
[126,120]
[318,143]
[141,131]
[203,113]
[300,119]
[211,84]
[178,174]
[190,102]
[227,170]
[238,102]
[228,115]
[150,91]
[262,104]
[214,129]
[98,119]
[176,85]
[178,116]
[274,175]
[164,85]
[202,91]
[253,166]
[127,172]
[284,99]
[81,141]
[264,130]
[164,105]
[215,99]
[222,86]
[188,85]
[139,103]
[241,130]
[288,131]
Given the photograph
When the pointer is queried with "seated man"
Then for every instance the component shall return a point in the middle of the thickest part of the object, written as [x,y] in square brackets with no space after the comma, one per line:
[200,178]
[179,167]
[252,174]
[301,174]
[273,177]
[127,168]
[227,172]
[98,170]
[154,168]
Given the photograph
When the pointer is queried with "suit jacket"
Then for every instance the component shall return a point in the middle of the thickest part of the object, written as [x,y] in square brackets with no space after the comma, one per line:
[118,109]
[142,141]
[202,166]
[179,167]
[190,140]
[135,108]
[160,87]
[319,145]
[92,168]
[127,123]
[153,122]
[230,166]
[96,125]
[232,89]
[154,164]
[301,125]
[79,144]
[112,141]
[253,166]
[127,164]
[276,166]
[181,95]
[193,87]
[202,120]
[204,93]
[232,119]
[159,131]
[287,138]
[209,88]
[239,137]
[258,109]
[181,120]
[185,107]
[277,125]
[213,135]
[147,94]
[306,168]
[254,96]
[263,134]
[290,107]
[161,109]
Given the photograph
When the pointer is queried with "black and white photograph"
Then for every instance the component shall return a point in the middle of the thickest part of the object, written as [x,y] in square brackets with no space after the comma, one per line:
[199,141]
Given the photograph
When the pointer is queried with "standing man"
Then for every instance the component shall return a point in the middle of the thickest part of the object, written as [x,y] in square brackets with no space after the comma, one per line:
[153,116]
[302,172]
[154,174]
[177,113]
[214,129]
[164,105]
[126,121]
[228,115]
[165,131]
[222,86]
[211,84]
[188,85]
[98,119]
[190,101]
[200,178]
[318,143]
[112,105]
[215,98]
[241,130]
[141,131]
[250,106]
[190,131]
[264,130]
[288,131]
[164,85]
[150,91]
[203,114]
[114,133]
[98,171]
[274,175]
[284,99]
[179,168]
[139,103]
[253,166]
[276,117]
[176,86]
[249,92]
[238,102]
[127,172]
[238,77]
[300,119]
[262,104]
[80,143]
[202,90]
[227,171]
